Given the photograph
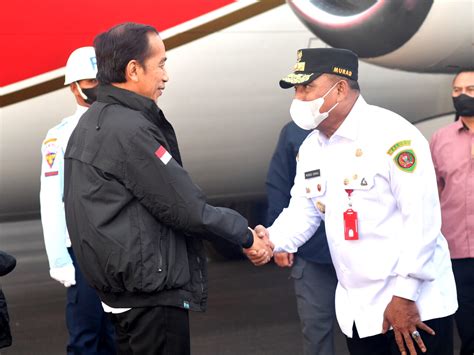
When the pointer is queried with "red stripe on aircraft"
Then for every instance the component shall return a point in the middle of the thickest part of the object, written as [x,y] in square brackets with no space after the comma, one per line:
[38,36]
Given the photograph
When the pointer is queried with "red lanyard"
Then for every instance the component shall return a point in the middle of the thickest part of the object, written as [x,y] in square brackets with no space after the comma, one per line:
[350,220]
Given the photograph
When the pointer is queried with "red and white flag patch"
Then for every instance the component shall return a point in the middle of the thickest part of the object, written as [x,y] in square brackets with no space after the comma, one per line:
[163,154]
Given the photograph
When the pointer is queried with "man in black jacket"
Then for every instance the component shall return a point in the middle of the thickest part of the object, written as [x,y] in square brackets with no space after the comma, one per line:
[134,216]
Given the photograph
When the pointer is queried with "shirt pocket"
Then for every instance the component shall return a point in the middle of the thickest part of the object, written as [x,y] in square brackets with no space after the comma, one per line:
[365,197]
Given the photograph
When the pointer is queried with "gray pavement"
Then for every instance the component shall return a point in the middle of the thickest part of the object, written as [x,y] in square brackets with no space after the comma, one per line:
[251,310]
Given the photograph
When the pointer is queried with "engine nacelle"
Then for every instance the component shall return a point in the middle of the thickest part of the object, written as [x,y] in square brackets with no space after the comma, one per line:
[421,36]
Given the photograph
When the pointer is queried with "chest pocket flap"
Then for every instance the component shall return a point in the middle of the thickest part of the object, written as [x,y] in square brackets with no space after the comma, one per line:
[361,182]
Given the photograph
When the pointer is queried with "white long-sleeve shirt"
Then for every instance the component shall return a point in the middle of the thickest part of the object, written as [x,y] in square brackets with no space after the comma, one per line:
[53,219]
[400,250]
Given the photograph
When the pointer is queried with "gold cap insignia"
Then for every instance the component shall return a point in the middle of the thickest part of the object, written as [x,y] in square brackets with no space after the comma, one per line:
[299,55]
[299,66]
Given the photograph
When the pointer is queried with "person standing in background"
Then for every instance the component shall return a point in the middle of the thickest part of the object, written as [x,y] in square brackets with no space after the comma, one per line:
[452,149]
[314,275]
[90,330]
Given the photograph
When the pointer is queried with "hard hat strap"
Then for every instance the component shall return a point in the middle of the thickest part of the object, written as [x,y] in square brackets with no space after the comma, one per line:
[80,91]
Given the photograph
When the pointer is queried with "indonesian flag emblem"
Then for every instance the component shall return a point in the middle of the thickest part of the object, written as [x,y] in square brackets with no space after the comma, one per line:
[163,154]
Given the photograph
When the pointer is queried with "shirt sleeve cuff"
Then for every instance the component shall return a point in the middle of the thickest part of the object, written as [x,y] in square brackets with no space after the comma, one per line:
[408,287]
[279,242]
[248,240]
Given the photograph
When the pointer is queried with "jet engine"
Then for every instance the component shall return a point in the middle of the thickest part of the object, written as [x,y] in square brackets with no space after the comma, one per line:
[413,35]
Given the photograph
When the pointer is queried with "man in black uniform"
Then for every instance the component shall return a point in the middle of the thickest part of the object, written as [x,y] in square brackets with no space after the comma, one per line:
[135,217]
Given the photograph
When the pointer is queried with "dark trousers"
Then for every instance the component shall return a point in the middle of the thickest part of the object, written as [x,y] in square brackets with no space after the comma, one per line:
[5,333]
[464,274]
[90,329]
[315,286]
[157,330]
[385,344]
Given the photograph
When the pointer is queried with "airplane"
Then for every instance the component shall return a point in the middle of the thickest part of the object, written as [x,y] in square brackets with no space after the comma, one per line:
[225,59]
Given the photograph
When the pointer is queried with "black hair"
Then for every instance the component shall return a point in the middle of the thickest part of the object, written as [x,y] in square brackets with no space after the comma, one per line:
[353,84]
[117,47]
[463,70]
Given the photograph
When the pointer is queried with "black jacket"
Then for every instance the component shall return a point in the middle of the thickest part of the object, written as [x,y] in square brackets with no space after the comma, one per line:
[134,218]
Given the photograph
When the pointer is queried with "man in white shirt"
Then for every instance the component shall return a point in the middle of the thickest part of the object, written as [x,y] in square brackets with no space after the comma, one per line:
[368,174]
[90,330]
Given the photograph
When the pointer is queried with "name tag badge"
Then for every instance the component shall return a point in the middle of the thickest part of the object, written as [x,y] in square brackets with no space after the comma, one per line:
[350,225]
[312,174]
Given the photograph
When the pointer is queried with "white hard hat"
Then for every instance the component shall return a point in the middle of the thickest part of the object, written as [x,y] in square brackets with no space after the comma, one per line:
[81,64]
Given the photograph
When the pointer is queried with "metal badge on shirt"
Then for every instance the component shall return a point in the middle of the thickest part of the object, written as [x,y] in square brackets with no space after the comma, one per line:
[314,185]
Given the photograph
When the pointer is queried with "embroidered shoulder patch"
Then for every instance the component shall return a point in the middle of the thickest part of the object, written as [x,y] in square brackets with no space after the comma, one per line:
[406,160]
[397,145]
[51,148]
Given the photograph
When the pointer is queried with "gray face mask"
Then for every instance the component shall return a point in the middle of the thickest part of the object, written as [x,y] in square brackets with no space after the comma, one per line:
[89,95]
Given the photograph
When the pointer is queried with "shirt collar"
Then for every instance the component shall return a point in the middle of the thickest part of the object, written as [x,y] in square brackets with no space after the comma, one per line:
[114,95]
[80,110]
[461,126]
[350,127]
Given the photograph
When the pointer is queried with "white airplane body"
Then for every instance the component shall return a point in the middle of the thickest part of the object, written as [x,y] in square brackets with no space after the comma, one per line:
[226,106]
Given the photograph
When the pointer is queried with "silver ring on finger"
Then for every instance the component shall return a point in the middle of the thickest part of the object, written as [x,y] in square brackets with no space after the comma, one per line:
[415,334]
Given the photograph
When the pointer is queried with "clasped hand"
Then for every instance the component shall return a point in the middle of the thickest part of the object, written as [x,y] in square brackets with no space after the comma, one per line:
[261,250]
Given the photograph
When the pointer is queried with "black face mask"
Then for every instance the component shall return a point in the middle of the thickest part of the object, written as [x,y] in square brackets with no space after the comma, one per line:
[91,94]
[464,105]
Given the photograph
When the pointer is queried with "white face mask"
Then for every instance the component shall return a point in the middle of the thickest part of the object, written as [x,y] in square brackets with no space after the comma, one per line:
[306,114]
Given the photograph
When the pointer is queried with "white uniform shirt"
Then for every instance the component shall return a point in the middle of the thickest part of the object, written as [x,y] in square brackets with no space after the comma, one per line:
[53,219]
[400,250]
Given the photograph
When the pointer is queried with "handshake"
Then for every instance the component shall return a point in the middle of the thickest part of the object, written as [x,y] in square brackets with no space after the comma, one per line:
[261,250]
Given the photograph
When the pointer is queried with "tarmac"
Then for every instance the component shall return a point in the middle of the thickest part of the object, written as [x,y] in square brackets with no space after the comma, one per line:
[250,310]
